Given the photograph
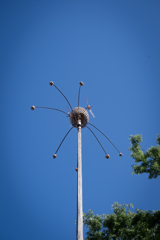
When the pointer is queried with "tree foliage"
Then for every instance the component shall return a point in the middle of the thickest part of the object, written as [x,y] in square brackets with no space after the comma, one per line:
[123,224]
[147,161]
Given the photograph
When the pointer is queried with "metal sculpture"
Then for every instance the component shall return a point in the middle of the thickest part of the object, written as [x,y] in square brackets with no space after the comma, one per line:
[79,118]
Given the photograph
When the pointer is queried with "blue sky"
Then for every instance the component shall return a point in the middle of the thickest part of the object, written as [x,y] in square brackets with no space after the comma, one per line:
[113,47]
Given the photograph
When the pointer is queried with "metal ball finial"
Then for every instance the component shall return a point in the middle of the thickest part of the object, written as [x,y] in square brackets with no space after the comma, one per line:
[79,113]
[33,107]
[51,83]
[120,154]
[107,156]
[81,83]
[54,155]
[76,169]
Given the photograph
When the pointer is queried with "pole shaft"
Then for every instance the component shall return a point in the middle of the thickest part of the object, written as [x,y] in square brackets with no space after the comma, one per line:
[79,185]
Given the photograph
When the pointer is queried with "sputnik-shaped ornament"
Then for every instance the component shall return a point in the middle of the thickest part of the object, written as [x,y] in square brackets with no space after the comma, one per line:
[74,115]
[79,118]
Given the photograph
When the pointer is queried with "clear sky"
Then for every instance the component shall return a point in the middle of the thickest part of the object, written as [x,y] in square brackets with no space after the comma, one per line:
[113,46]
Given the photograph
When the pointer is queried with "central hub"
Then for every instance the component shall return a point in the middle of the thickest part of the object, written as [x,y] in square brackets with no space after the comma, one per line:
[79,113]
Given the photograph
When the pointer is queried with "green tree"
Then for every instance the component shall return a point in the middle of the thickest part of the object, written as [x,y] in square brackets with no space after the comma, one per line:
[147,161]
[123,224]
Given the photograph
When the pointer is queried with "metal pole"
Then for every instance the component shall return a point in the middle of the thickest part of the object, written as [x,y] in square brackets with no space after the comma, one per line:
[79,186]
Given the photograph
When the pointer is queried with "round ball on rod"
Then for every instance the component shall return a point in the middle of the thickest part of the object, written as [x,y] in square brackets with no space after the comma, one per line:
[107,156]
[51,83]
[33,107]
[79,113]
[76,169]
[54,155]
[120,154]
[81,83]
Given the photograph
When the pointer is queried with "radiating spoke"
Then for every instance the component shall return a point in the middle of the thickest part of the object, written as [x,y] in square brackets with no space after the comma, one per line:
[63,140]
[52,109]
[52,84]
[97,140]
[80,84]
[105,136]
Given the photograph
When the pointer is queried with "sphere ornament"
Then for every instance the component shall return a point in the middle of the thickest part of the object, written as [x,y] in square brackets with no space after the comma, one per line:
[54,155]
[107,156]
[81,83]
[120,154]
[33,107]
[51,83]
[79,113]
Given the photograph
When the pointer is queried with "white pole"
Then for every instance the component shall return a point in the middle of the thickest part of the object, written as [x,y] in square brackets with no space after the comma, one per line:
[79,190]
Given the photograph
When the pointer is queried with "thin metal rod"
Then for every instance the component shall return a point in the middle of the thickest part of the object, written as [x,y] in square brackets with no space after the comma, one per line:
[105,136]
[79,94]
[52,109]
[97,140]
[63,139]
[64,96]
[79,187]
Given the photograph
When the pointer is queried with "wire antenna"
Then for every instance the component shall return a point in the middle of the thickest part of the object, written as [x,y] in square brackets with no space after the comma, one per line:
[105,137]
[54,155]
[52,84]
[33,107]
[80,84]
[97,140]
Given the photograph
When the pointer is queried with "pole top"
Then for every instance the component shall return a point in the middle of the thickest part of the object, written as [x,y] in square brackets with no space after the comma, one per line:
[79,113]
